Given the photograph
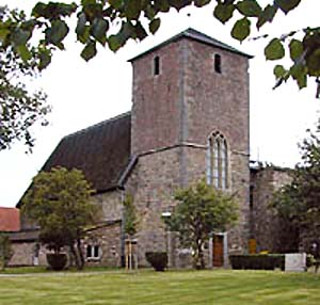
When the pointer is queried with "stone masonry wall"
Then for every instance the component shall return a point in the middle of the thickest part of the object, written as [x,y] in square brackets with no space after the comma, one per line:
[110,204]
[173,115]
[152,184]
[24,254]
[265,226]
[108,238]
[155,106]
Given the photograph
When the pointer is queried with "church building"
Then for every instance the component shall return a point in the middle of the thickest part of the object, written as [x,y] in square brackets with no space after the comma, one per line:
[189,121]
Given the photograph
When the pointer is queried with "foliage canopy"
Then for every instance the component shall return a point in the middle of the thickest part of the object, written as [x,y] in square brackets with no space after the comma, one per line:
[201,211]
[59,202]
[19,109]
[112,23]
[130,216]
[6,251]
[298,203]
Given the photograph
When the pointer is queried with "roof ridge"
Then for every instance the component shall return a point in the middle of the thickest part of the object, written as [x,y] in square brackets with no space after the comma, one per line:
[117,117]
[191,33]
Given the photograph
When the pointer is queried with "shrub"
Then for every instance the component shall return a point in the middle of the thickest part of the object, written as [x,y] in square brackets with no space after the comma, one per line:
[258,262]
[158,260]
[57,261]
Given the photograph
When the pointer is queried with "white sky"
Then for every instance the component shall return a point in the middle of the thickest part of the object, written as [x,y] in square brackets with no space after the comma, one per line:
[83,94]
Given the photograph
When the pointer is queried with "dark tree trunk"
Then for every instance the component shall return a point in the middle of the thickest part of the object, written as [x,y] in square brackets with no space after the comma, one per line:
[81,257]
[76,257]
[198,262]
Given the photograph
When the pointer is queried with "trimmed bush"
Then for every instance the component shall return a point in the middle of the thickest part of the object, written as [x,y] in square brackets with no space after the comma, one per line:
[158,260]
[258,261]
[57,261]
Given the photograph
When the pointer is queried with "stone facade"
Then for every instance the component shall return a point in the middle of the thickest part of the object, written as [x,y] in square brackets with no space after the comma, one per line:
[108,240]
[265,226]
[179,99]
[173,114]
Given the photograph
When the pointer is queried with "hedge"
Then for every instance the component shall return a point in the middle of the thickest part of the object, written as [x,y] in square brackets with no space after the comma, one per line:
[158,260]
[258,261]
[57,261]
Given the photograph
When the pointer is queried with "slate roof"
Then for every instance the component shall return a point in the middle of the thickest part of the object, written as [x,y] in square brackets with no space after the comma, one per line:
[198,36]
[9,219]
[25,236]
[101,151]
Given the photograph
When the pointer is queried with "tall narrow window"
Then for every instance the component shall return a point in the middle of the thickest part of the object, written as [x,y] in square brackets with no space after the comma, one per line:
[217,161]
[217,63]
[156,65]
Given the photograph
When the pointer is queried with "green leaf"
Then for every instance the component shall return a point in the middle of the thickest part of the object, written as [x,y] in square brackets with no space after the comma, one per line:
[179,4]
[53,10]
[299,73]
[241,29]
[4,34]
[99,29]
[116,3]
[149,12]
[223,12]
[114,43]
[280,72]
[89,51]
[20,37]
[81,24]
[274,50]
[313,63]
[132,9]
[162,5]
[154,25]
[266,15]
[249,8]
[200,3]
[57,32]
[45,58]
[296,49]
[39,10]
[287,5]
[24,52]
[140,31]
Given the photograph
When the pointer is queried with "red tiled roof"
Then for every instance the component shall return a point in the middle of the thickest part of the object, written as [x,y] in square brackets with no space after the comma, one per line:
[9,219]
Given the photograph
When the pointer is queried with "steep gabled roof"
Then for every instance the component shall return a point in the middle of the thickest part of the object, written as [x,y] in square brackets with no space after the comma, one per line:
[9,219]
[194,35]
[101,151]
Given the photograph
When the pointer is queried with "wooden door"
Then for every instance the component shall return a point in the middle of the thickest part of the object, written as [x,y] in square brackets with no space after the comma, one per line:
[217,250]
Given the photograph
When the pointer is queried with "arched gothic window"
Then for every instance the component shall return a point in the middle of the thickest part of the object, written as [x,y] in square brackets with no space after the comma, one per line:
[217,161]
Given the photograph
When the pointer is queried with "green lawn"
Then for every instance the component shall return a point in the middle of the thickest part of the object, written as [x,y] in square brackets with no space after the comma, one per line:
[174,287]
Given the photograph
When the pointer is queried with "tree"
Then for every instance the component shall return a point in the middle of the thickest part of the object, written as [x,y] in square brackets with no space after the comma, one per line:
[6,251]
[19,109]
[112,23]
[130,216]
[287,207]
[201,210]
[59,202]
[298,203]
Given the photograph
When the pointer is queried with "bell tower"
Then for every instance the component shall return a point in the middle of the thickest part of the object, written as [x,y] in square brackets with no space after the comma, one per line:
[190,120]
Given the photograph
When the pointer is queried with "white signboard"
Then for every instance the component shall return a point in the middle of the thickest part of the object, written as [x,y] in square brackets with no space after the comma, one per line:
[295,262]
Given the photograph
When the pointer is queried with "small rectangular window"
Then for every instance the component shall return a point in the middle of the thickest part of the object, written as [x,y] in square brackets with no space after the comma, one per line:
[156,65]
[93,252]
[217,63]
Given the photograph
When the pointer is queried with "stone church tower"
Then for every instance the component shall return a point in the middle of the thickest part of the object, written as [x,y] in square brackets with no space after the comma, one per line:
[189,120]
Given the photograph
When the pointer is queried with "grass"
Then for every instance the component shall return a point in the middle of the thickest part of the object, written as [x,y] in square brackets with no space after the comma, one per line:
[44,269]
[221,287]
